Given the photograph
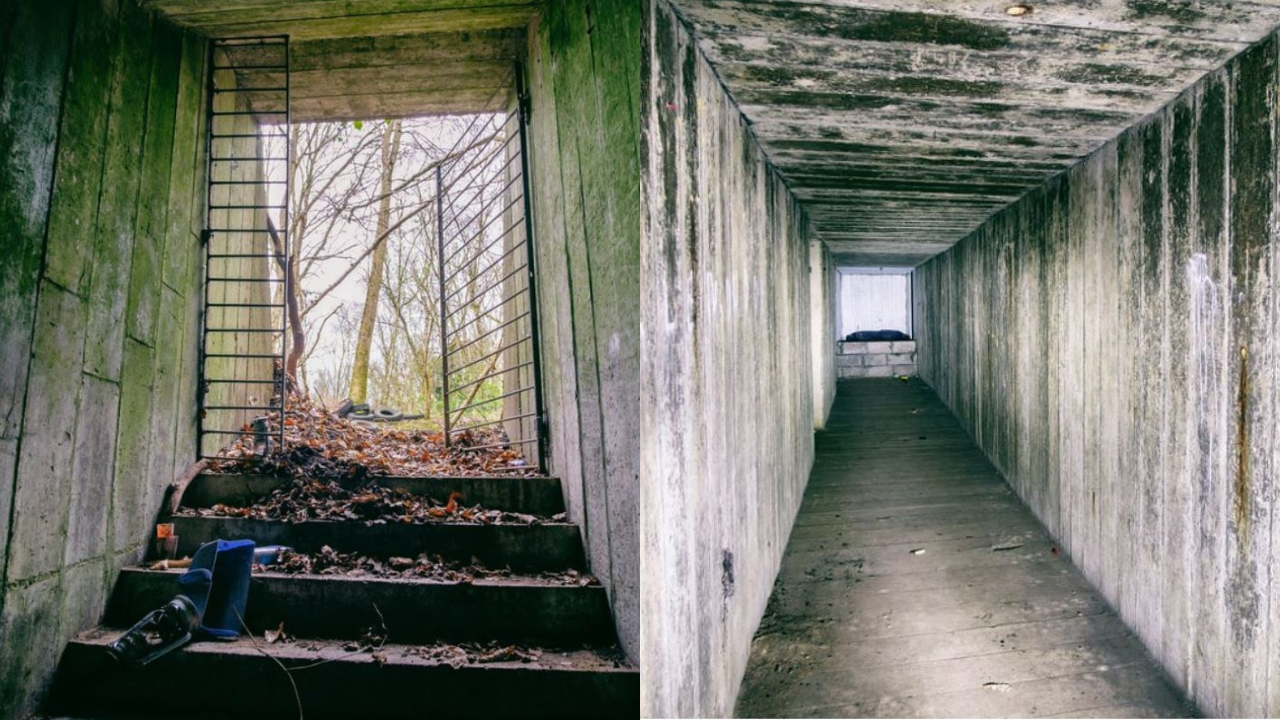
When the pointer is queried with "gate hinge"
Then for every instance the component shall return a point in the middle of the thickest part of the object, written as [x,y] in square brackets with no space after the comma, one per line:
[526,106]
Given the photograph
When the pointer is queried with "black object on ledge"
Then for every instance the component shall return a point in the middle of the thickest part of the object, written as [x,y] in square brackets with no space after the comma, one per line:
[876,336]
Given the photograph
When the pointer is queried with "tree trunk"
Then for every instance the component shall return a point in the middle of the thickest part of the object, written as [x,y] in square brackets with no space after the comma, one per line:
[364,338]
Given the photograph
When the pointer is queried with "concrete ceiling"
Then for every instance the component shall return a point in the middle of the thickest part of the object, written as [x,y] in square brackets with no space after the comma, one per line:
[376,58]
[901,125]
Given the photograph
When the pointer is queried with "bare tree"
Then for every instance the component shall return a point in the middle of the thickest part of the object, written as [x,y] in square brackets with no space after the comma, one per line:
[373,288]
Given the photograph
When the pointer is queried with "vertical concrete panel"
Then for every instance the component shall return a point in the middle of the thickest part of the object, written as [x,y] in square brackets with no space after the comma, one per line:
[45,465]
[1179,207]
[1074,506]
[112,255]
[559,377]
[1127,497]
[30,618]
[1251,228]
[1111,356]
[597,130]
[1088,223]
[78,177]
[153,194]
[1056,247]
[31,92]
[1149,619]
[1207,281]
[571,50]
[89,503]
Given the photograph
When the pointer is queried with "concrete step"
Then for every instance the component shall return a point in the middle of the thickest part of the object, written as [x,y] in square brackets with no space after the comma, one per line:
[514,609]
[523,548]
[245,678]
[532,495]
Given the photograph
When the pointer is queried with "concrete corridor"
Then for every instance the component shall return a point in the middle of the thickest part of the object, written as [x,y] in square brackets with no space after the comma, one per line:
[915,583]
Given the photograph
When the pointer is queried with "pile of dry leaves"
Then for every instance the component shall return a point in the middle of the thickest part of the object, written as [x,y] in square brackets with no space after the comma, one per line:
[471,653]
[433,567]
[371,503]
[318,443]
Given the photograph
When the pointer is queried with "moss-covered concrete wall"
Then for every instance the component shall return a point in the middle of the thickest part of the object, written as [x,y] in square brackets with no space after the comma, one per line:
[1111,343]
[584,81]
[731,389]
[101,168]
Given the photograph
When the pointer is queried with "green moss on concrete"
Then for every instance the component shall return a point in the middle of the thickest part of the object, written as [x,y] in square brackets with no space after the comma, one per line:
[118,202]
[78,177]
[585,156]
[94,199]
[153,194]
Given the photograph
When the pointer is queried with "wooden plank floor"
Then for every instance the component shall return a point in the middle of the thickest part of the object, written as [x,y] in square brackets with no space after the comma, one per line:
[915,584]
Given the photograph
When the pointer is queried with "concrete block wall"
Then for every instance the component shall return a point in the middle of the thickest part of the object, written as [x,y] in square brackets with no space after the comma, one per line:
[101,185]
[875,359]
[585,157]
[729,384]
[1111,343]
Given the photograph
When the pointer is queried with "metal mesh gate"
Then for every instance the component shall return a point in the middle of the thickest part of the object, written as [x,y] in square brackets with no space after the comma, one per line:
[243,343]
[489,376]
[489,321]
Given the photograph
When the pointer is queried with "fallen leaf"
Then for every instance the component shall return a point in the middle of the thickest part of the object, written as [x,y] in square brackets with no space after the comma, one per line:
[278,634]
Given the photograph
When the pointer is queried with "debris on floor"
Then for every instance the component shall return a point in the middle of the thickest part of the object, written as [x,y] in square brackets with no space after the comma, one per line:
[1006,546]
[918,551]
[495,652]
[277,635]
[998,686]
[432,567]
[319,443]
[371,503]
[195,612]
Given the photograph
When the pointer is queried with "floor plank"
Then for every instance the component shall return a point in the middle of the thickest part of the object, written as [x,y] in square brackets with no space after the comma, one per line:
[915,584]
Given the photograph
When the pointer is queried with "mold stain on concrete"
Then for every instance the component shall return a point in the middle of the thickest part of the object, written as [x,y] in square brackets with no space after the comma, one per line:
[931,29]
[1091,73]
[1205,307]
[915,85]
[1182,12]
[900,27]
[726,574]
[1241,506]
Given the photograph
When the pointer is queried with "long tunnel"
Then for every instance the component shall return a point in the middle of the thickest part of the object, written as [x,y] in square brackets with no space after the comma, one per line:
[1068,507]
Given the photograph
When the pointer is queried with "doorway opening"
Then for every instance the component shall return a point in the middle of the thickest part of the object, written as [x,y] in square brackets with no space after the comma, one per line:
[875,323]
[874,300]
[370,298]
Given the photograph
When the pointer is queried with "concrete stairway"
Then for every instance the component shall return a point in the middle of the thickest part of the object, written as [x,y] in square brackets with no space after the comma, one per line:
[568,663]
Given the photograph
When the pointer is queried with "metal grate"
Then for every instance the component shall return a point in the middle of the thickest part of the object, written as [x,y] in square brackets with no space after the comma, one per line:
[489,319]
[243,340]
